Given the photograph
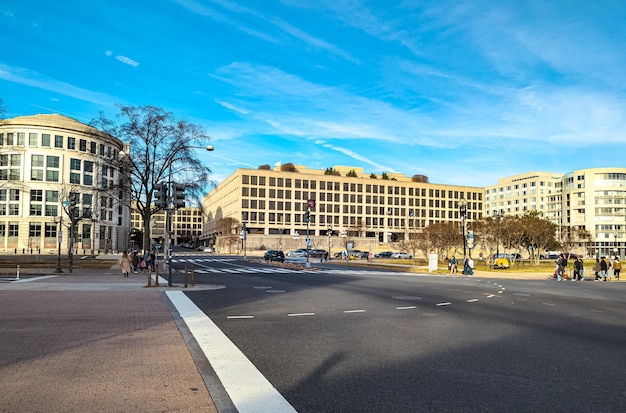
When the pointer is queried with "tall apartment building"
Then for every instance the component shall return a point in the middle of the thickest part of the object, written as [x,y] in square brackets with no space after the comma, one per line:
[44,159]
[593,199]
[272,203]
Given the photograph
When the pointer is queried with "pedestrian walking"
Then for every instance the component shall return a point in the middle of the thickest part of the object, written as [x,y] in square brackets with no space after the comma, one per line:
[470,266]
[135,262]
[454,264]
[604,268]
[596,269]
[561,262]
[126,264]
[617,268]
[577,268]
[581,271]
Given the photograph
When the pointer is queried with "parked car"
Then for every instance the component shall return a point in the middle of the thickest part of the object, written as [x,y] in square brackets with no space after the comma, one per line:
[516,256]
[402,255]
[274,255]
[207,249]
[297,253]
[317,253]
[384,254]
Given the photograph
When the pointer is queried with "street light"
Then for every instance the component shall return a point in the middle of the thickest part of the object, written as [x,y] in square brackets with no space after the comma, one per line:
[463,213]
[330,233]
[498,215]
[615,246]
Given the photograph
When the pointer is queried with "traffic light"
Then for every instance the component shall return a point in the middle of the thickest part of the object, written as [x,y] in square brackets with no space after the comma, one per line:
[178,195]
[73,200]
[160,195]
[307,216]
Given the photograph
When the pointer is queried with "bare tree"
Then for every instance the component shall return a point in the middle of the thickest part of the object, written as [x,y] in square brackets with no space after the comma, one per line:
[161,146]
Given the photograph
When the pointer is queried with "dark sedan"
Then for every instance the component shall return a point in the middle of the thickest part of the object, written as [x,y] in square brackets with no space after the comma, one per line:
[274,255]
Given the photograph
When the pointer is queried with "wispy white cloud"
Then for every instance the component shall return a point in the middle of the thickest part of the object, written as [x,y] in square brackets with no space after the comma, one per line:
[233,107]
[127,60]
[37,80]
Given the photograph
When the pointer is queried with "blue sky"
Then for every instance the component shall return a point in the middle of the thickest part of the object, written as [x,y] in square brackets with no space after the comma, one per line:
[464,92]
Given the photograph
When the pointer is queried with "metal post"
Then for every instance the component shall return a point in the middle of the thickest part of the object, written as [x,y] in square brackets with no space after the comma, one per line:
[307,264]
[59,270]
[168,226]
[330,233]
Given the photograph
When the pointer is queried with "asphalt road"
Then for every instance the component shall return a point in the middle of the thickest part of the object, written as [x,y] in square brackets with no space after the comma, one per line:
[347,340]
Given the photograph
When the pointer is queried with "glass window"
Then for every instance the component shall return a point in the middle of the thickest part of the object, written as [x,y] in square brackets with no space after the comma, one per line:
[92,147]
[14,175]
[88,166]
[52,196]
[35,209]
[16,160]
[34,229]
[45,140]
[82,144]
[52,176]
[36,174]
[75,164]
[58,141]
[71,143]
[87,179]
[3,194]
[74,178]
[50,230]
[14,229]
[51,210]
[32,139]
[14,209]
[36,195]
[3,229]
[21,138]
[37,161]
[3,209]
[52,161]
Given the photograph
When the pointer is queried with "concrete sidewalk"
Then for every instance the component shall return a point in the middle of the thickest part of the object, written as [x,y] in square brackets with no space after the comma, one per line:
[96,342]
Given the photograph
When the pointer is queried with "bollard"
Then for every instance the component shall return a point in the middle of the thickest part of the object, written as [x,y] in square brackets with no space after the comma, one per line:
[185,275]
[149,278]
[156,275]
[18,273]
[193,277]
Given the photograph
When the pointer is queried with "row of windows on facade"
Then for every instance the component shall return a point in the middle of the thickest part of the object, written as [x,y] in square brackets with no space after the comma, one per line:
[12,229]
[10,203]
[358,187]
[19,139]
[287,219]
[11,169]
[355,208]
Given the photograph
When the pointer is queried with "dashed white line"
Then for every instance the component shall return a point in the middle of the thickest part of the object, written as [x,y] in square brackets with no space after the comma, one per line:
[300,314]
[490,295]
[236,317]
[406,308]
[473,300]
[274,291]
[443,304]
[354,311]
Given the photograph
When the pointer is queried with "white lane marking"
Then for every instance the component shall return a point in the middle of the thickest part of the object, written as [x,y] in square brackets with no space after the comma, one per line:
[548,304]
[597,311]
[263,287]
[405,297]
[443,304]
[354,311]
[274,291]
[406,308]
[237,317]
[499,292]
[521,295]
[473,300]
[300,314]
[249,390]
[490,295]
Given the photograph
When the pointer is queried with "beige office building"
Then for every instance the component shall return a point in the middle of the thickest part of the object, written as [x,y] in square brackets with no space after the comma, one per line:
[44,159]
[374,210]
[186,225]
[593,199]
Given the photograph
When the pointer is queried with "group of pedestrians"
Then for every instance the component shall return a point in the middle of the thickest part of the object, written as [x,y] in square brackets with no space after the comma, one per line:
[602,267]
[137,262]
[468,265]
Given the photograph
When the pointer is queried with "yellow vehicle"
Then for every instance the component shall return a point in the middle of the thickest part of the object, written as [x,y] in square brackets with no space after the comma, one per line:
[500,264]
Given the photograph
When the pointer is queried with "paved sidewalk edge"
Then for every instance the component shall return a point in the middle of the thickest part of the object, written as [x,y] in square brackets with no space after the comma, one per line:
[218,393]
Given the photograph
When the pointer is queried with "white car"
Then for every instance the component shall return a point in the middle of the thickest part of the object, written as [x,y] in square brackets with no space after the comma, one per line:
[207,249]
[297,253]
[402,255]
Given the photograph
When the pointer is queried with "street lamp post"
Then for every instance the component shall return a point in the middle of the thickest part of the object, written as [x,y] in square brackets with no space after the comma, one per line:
[615,245]
[330,233]
[463,213]
[498,215]
[58,269]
